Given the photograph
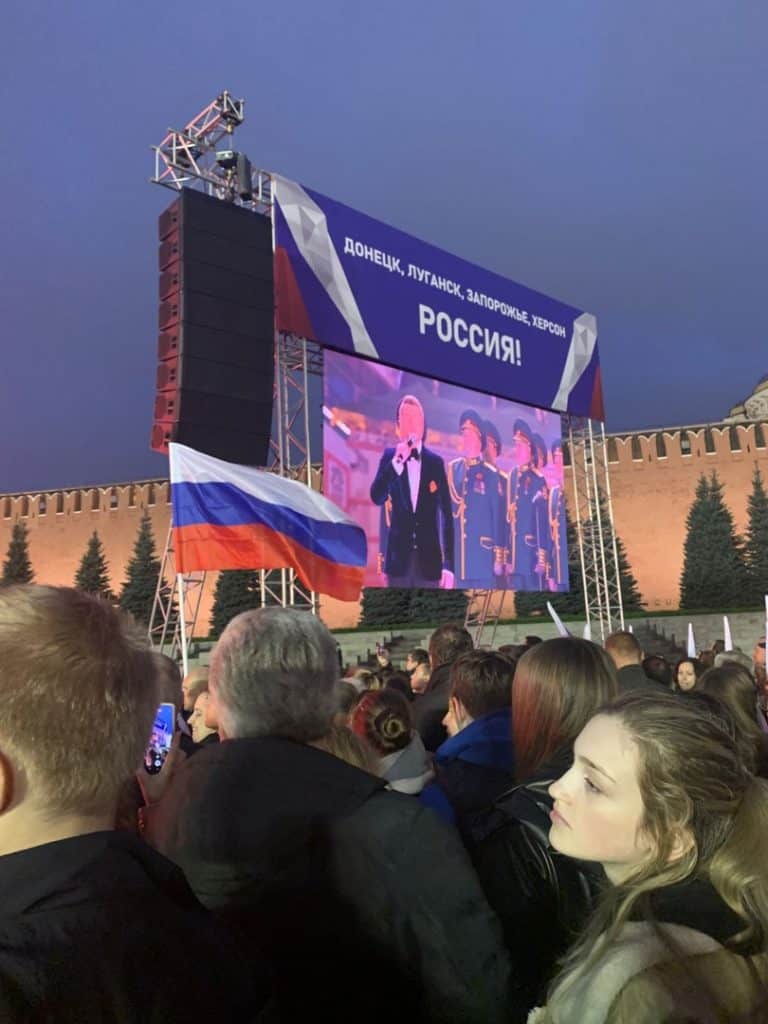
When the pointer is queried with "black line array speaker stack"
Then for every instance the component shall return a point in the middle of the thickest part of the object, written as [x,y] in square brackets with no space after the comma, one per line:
[215,369]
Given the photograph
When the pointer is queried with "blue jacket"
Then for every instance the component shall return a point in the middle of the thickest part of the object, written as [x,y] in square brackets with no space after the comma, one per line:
[472,768]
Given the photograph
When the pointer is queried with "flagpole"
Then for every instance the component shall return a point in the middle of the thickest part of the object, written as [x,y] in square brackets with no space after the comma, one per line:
[691,641]
[559,624]
[183,624]
[727,638]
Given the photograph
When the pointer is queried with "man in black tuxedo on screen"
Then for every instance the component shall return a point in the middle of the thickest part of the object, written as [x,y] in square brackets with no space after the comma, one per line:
[412,478]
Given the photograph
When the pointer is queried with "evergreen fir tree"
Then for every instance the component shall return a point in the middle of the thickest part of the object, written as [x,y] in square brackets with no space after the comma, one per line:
[93,574]
[17,567]
[142,574]
[756,542]
[434,606]
[572,603]
[714,571]
[237,590]
[385,606]
[398,606]
[693,578]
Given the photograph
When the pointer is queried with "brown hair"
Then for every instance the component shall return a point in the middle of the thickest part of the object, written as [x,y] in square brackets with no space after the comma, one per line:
[693,774]
[658,668]
[734,686]
[706,659]
[197,681]
[698,669]
[383,719]
[447,643]
[482,681]
[419,655]
[347,696]
[79,692]
[169,680]
[558,687]
[624,645]
[344,744]
[368,679]
[400,681]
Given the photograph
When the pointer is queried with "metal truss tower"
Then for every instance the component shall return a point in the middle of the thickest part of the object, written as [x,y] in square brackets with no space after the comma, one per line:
[593,512]
[290,449]
[202,156]
[483,614]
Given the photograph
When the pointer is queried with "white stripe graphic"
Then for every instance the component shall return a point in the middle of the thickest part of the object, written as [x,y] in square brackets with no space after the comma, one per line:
[583,341]
[192,467]
[309,228]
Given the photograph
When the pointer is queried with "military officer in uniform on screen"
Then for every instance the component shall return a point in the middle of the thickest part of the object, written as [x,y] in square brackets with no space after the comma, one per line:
[539,465]
[528,526]
[557,524]
[492,452]
[474,489]
[411,486]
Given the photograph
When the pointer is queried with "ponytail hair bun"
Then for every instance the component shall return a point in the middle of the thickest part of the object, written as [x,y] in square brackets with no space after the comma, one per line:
[383,719]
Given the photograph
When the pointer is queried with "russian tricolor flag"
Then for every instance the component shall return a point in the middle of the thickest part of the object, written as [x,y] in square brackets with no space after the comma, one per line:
[233,517]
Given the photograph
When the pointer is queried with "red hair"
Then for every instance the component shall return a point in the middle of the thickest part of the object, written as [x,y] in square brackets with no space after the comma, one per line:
[558,687]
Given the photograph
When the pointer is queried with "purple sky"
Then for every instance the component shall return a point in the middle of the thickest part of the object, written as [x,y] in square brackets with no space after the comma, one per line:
[611,155]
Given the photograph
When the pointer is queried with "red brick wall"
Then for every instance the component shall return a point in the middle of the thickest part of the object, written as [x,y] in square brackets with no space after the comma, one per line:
[651,498]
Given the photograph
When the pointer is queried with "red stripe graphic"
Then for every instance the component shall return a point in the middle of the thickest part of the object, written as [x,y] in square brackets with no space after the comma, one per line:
[202,547]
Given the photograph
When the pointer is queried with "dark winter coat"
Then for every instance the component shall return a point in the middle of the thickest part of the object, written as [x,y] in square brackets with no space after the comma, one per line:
[430,708]
[363,902]
[632,677]
[102,928]
[472,768]
[542,898]
[209,740]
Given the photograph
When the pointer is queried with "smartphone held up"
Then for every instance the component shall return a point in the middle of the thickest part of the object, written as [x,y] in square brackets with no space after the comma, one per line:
[160,739]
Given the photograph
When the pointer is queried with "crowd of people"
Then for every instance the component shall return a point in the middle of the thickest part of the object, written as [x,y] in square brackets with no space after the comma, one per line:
[556,832]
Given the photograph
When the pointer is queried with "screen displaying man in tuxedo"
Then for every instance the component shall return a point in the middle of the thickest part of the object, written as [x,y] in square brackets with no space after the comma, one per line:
[412,478]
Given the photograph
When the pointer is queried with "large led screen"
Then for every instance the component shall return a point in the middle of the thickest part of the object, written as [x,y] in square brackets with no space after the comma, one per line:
[453,488]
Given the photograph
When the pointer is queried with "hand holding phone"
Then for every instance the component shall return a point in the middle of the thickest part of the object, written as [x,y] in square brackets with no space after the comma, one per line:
[160,739]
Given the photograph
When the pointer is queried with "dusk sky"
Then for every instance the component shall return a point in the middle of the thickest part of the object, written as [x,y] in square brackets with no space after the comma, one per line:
[612,155]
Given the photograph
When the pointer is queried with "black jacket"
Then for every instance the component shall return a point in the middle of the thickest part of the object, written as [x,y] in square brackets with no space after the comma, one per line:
[364,904]
[429,709]
[101,928]
[429,528]
[542,898]
[472,768]
[209,740]
[632,677]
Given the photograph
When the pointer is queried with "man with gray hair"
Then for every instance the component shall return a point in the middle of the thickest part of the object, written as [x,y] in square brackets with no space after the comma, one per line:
[736,657]
[363,903]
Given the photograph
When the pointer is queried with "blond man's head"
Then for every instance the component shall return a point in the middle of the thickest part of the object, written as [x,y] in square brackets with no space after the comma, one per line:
[78,694]
[195,683]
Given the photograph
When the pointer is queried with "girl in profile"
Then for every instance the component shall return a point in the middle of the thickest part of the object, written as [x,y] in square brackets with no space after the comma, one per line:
[661,794]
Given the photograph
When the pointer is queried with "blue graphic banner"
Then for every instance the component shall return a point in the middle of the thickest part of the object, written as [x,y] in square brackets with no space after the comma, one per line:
[357,285]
